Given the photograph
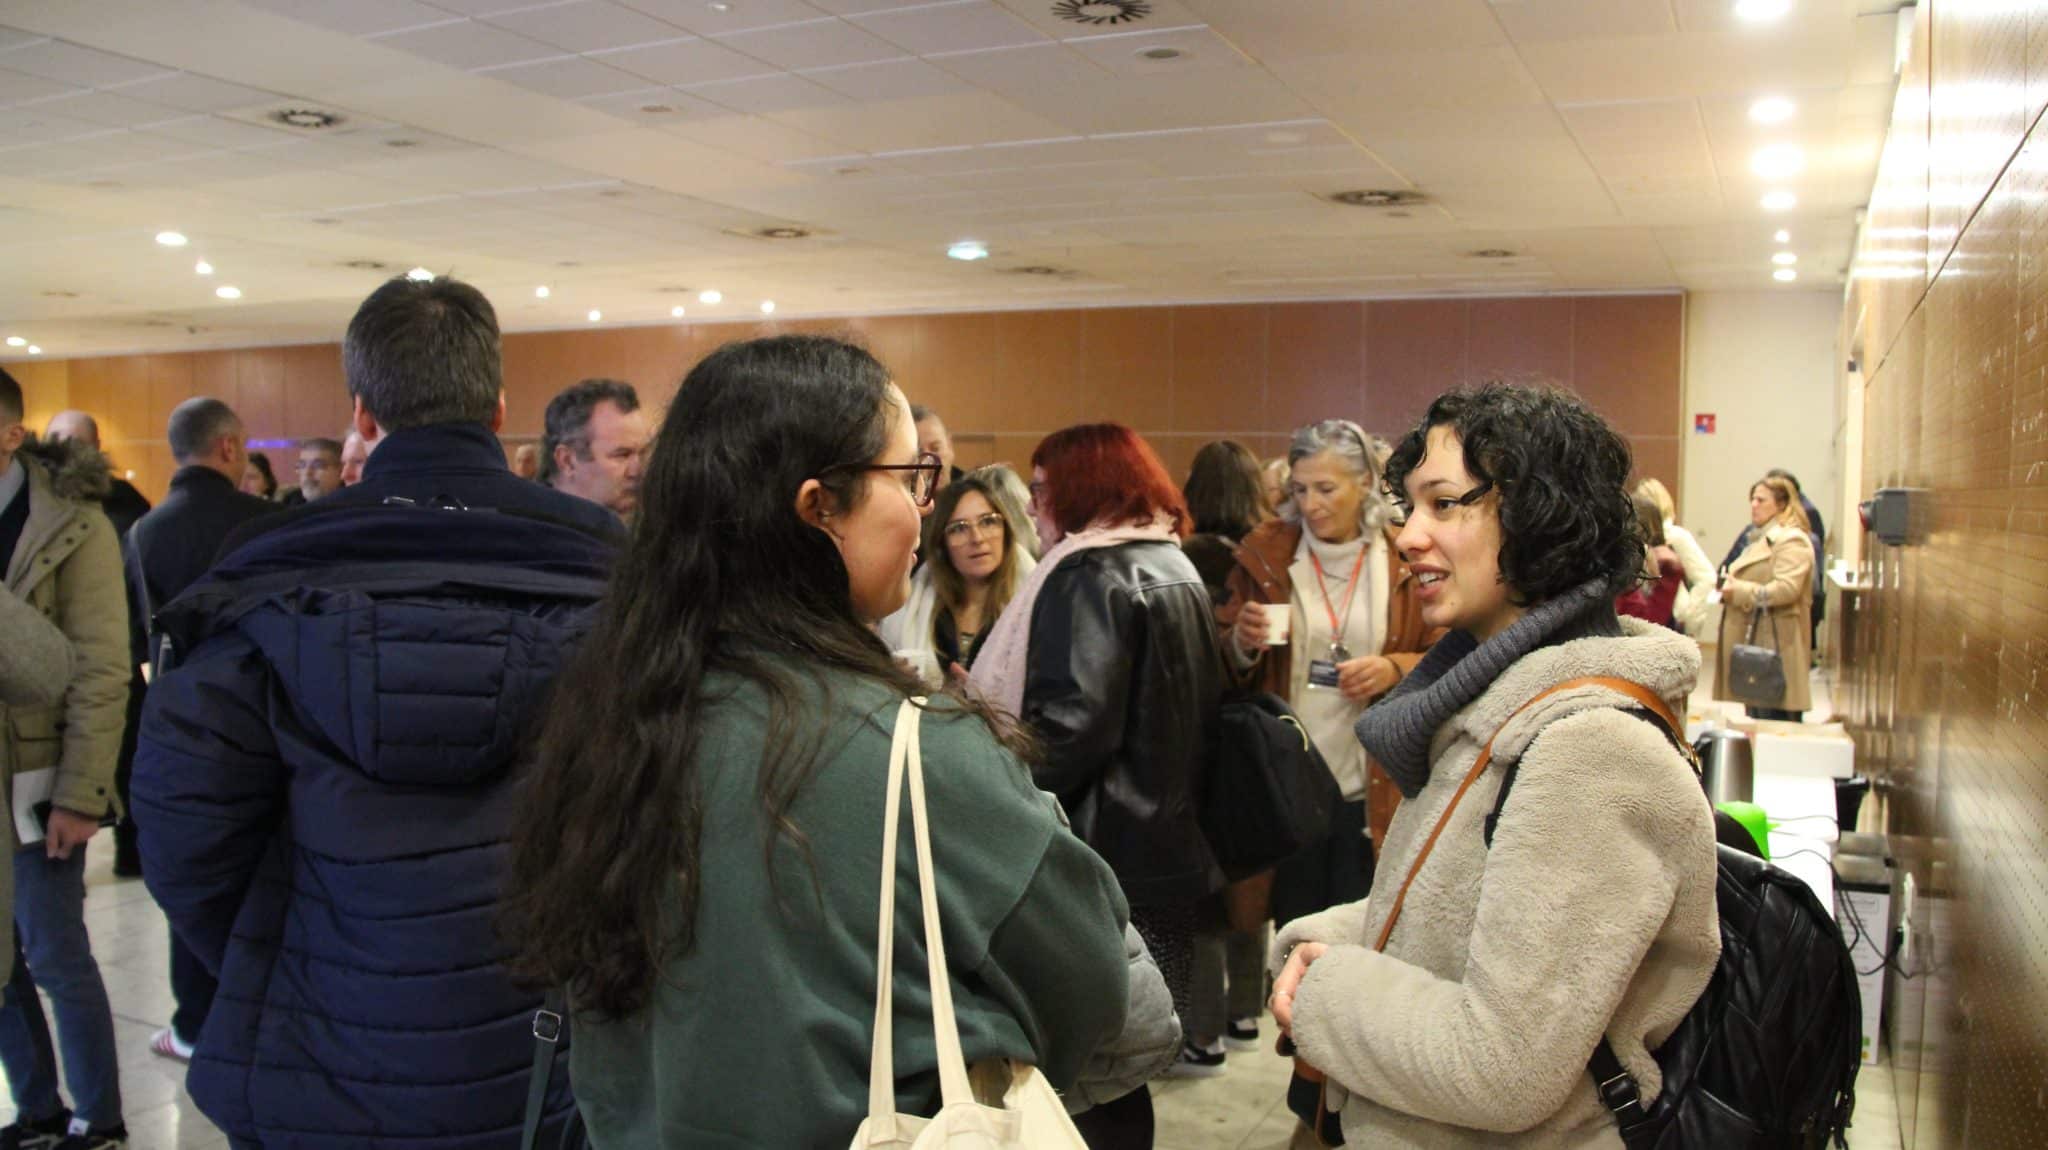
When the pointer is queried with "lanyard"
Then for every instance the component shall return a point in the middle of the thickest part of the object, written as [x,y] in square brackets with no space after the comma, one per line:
[1337,625]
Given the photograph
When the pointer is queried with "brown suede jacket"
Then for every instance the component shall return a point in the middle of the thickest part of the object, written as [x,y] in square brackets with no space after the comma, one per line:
[1261,576]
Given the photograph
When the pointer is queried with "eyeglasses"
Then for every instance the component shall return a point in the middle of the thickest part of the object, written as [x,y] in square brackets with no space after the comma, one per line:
[958,530]
[923,482]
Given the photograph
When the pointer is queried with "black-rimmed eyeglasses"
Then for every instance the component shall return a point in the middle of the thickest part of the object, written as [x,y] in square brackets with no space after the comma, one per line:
[922,481]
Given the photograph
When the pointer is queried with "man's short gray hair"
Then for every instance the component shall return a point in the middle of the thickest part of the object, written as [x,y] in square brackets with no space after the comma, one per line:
[197,424]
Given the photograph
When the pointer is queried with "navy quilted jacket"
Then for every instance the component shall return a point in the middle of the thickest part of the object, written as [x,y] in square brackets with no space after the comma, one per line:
[324,790]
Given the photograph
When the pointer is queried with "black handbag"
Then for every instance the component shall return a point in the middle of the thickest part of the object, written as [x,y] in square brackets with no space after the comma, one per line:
[1756,675]
[1270,794]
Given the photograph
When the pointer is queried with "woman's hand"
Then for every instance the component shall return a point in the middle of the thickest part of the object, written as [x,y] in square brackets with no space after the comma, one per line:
[1251,629]
[1290,981]
[1367,678]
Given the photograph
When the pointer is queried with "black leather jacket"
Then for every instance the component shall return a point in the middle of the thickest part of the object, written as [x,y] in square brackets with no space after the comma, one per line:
[1122,687]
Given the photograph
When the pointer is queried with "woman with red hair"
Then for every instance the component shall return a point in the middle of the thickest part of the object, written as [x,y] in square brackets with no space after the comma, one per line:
[1109,655]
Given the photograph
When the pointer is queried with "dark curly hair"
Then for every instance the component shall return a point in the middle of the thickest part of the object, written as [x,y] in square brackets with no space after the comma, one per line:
[1562,474]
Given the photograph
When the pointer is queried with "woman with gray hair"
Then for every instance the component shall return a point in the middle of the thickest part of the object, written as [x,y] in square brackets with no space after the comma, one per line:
[1322,612]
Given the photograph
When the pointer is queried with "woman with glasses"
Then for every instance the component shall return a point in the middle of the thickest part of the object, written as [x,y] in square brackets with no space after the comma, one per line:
[697,859]
[1577,915]
[975,561]
[1108,656]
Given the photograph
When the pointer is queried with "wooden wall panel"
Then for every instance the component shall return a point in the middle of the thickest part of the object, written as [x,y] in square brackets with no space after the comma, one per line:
[1182,375]
[1943,707]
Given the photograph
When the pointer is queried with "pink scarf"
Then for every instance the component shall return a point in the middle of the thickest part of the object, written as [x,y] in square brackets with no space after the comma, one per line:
[998,674]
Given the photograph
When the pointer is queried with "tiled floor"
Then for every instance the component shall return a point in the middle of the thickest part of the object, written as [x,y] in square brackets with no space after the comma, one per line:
[1238,1110]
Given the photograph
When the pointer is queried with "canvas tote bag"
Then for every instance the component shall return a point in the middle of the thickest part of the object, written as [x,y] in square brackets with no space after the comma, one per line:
[1032,1116]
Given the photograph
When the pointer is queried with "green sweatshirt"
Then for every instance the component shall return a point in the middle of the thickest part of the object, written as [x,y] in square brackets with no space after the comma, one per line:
[759,1036]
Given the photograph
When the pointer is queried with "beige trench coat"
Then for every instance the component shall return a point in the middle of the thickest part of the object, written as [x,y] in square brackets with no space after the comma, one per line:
[1776,571]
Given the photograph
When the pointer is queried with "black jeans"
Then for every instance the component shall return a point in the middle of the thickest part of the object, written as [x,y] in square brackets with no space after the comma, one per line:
[1335,871]
[193,988]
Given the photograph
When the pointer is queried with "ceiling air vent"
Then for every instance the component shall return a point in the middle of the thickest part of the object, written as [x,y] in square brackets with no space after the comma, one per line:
[1376,198]
[366,265]
[1038,270]
[673,289]
[783,233]
[1492,254]
[305,119]
[1099,12]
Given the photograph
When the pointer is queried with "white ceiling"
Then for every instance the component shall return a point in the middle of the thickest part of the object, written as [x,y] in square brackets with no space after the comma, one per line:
[619,150]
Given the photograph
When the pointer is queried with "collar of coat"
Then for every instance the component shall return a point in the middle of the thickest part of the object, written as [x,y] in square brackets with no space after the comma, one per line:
[1268,552]
[66,481]
[1659,658]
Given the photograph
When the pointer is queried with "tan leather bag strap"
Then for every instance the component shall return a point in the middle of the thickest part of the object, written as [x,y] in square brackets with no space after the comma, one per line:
[1633,690]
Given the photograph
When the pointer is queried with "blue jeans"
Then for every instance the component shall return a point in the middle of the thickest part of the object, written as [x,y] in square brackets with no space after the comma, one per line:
[49,921]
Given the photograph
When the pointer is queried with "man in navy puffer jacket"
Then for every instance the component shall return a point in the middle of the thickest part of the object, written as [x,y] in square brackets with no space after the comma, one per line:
[329,767]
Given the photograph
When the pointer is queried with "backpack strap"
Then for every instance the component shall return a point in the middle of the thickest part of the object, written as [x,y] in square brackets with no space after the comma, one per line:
[549,1022]
[1641,694]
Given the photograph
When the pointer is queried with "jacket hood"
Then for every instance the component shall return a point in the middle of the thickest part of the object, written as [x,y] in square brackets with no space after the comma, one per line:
[1659,658]
[416,643]
[77,470]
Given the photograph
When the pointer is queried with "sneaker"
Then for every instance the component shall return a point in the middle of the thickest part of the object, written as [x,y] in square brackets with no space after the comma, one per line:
[35,1135]
[1198,1061]
[1242,1034]
[85,1137]
[166,1044]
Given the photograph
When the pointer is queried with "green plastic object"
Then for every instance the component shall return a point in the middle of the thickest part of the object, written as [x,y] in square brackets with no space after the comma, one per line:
[1754,821]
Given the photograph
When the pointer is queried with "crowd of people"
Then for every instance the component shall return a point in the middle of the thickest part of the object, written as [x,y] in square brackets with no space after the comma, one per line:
[433,735]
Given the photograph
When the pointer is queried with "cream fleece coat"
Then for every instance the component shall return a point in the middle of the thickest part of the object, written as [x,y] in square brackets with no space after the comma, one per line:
[1593,912]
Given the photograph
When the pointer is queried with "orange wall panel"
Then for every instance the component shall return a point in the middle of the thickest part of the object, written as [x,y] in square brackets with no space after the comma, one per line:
[1415,350]
[1315,363]
[1219,369]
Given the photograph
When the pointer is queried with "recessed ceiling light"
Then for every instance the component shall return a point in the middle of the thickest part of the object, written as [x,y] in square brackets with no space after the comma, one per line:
[1784,275]
[541,292]
[719,6]
[1772,110]
[595,315]
[767,307]
[419,275]
[657,109]
[202,268]
[1783,236]
[710,296]
[172,239]
[1777,161]
[1759,11]
[34,350]
[1784,259]
[676,311]
[1779,201]
[228,291]
[968,250]
[16,341]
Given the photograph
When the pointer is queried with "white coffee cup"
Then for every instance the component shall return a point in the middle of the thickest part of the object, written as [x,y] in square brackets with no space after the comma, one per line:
[1279,619]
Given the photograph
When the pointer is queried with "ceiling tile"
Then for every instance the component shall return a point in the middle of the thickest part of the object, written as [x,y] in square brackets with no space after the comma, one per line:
[1044,15]
[70,64]
[586,25]
[675,106]
[570,78]
[469,45]
[108,109]
[194,93]
[356,17]
[219,132]
[38,123]
[859,7]
[967,26]
[480,7]
[891,80]
[686,61]
[764,95]
[1132,53]
[823,43]
[1553,21]
[15,38]
[1313,28]
[740,15]
[758,138]
[19,87]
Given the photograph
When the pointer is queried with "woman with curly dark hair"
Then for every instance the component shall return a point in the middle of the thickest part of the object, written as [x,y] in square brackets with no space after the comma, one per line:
[1504,942]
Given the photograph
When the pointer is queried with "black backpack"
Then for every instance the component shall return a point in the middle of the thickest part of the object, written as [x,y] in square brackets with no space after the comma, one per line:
[1269,794]
[1767,1058]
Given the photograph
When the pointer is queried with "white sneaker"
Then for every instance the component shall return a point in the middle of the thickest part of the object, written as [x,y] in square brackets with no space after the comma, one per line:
[165,1044]
[1198,1061]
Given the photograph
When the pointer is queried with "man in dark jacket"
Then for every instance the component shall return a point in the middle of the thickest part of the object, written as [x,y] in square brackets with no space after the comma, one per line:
[167,552]
[125,506]
[329,773]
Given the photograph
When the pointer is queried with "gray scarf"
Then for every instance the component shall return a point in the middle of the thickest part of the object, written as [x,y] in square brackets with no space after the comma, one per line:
[1398,729]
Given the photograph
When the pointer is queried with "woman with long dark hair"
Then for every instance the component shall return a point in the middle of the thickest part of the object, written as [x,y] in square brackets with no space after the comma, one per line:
[1505,942]
[1108,655]
[697,858]
[257,477]
[1226,497]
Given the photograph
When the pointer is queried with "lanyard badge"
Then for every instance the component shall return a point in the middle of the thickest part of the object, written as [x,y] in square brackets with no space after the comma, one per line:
[1322,673]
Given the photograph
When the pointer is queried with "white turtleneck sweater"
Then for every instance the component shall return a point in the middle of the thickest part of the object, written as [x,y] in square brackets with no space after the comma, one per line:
[1325,712]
